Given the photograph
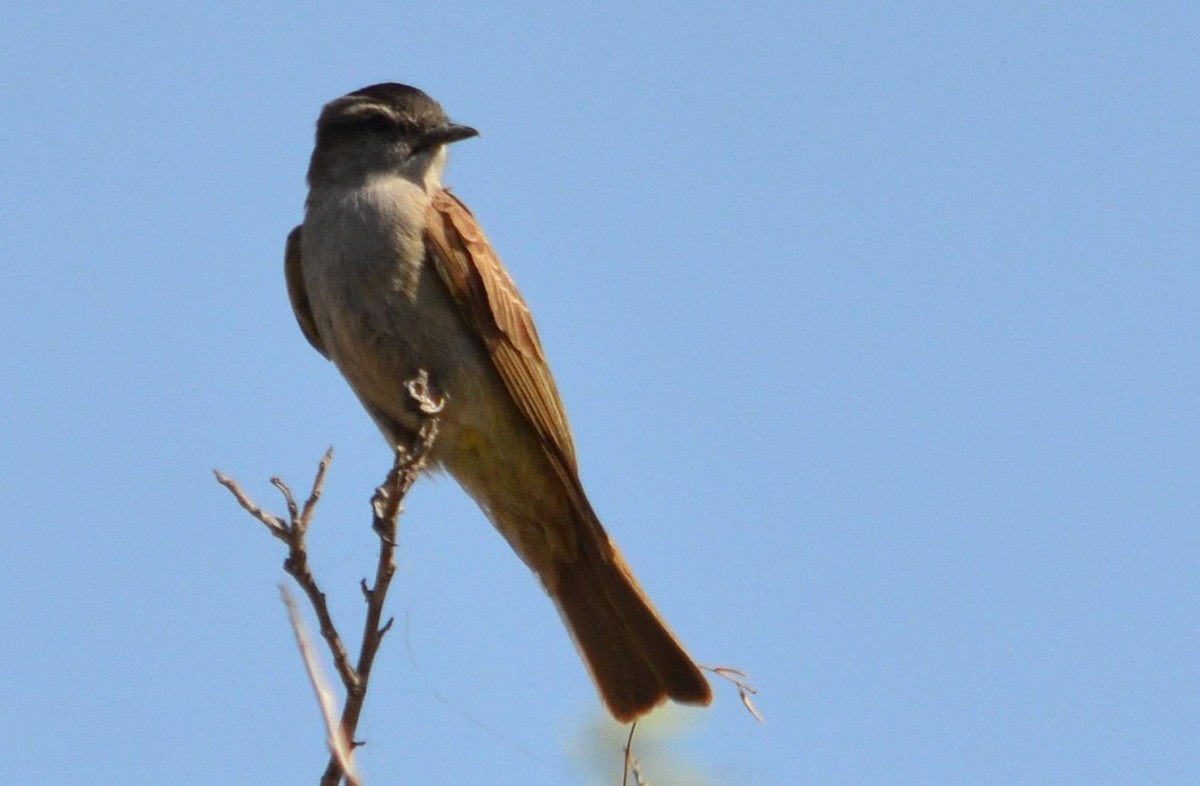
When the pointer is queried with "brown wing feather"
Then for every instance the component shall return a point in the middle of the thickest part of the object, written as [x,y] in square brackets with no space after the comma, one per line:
[633,657]
[293,271]
[491,304]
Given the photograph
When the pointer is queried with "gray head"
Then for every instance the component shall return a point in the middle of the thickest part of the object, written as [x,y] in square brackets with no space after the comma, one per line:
[382,128]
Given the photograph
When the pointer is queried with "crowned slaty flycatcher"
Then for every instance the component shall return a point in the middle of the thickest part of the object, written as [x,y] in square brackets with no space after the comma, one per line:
[390,275]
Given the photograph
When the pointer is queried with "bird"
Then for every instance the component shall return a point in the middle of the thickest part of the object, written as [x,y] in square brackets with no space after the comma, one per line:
[390,276]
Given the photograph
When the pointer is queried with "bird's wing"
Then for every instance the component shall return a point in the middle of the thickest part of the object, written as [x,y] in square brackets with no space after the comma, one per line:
[492,306]
[294,273]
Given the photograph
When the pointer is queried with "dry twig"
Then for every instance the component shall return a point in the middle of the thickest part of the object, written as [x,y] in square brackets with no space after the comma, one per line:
[339,746]
[386,506]
[744,688]
[631,763]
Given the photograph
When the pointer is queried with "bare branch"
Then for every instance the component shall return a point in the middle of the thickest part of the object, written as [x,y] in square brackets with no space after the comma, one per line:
[386,506]
[339,746]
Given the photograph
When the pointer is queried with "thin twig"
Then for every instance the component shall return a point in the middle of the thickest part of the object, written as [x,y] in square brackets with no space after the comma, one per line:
[339,746]
[293,532]
[386,506]
[744,688]
[275,525]
[630,761]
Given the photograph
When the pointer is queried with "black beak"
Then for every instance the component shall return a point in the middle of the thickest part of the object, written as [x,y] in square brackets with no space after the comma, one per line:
[444,135]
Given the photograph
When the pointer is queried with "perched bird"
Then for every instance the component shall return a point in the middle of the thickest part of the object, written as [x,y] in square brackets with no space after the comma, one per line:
[390,276]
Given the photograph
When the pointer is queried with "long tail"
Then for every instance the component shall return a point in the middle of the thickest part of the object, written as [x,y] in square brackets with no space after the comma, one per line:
[635,661]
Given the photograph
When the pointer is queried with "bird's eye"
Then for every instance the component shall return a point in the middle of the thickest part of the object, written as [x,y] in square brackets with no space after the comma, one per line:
[379,124]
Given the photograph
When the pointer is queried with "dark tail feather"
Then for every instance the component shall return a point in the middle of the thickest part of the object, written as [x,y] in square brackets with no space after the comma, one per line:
[633,658]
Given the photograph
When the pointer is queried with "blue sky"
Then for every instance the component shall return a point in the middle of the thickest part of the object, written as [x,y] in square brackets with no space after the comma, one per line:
[877,327]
